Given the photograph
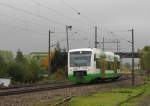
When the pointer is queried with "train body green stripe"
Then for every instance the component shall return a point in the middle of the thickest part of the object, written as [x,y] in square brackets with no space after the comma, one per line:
[84,79]
[90,77]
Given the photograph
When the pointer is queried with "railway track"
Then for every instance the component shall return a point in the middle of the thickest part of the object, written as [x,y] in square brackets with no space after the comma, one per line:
[31,85]
[35,88]
[45,86]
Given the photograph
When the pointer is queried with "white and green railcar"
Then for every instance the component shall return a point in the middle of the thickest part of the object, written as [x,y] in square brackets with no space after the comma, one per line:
[86,65]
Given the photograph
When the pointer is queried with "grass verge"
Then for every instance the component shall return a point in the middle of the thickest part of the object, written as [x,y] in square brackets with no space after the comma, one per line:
[116,97]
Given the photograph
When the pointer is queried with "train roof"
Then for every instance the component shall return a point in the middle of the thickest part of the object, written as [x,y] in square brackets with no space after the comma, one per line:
[109,53]
[85,49]
[81,49]
[97,51]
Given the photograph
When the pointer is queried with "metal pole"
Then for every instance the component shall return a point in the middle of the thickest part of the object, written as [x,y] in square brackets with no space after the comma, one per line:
[49,53]
[132,57]
[95,36]
[103,44]
[67,38]
[118,45]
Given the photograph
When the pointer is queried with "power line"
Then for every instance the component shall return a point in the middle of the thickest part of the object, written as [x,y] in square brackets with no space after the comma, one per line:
[23,28]
[89,20]
[30,13]
[121,37]
[27,29]
[57,12]
[112,33]
[22,20]
[62,40]
[109,42]
[78,12]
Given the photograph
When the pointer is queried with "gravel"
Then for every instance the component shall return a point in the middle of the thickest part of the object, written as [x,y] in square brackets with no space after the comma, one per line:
[28,99]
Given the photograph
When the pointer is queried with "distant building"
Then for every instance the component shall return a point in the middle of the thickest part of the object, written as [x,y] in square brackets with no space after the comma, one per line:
[41,55]
[4,81]
[38,55]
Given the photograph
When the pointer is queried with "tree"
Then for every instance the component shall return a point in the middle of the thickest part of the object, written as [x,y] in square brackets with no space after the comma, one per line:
[19,57]
[21,69]
[6,58]
[16,72]
[58,46]
[145,59]
[33,71]
[7,55]
[44,61]
[59,59]
[3,67]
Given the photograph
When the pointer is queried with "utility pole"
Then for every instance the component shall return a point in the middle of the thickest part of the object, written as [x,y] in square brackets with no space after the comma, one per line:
[117,45]
[103,44]
[132,30]
[67,27]
[67,38]
[133,78]
[95,36]
[49,53]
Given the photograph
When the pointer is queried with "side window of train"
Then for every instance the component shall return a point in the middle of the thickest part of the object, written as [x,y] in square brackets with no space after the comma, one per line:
[109,65]
[118,65]
[94,57]
[112,65]
[98,64]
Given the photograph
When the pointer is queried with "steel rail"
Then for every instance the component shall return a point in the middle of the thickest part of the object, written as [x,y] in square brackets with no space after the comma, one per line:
[32,85]
[48,86]
[34,89]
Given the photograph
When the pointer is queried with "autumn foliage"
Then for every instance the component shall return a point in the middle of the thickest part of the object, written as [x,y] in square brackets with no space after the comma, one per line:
[58,60]
[44,61]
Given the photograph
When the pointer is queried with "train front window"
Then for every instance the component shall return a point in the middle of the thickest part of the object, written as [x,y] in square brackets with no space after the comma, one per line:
[80,58]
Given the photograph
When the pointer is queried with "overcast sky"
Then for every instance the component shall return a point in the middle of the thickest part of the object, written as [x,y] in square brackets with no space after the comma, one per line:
[24,24]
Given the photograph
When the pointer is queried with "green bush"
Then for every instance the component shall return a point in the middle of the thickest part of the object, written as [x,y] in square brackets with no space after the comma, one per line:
[16,72]
[145,59]
[24,69]
[20,68]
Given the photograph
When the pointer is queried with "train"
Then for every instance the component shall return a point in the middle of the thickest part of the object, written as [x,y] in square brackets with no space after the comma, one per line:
[90,64]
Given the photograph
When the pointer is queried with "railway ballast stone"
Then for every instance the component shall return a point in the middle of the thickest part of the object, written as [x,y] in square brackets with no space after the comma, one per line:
[28,99]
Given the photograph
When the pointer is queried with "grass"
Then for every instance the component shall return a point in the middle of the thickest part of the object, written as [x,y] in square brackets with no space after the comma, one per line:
[111,98]
[115,97]
[101,99]
[137,100]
